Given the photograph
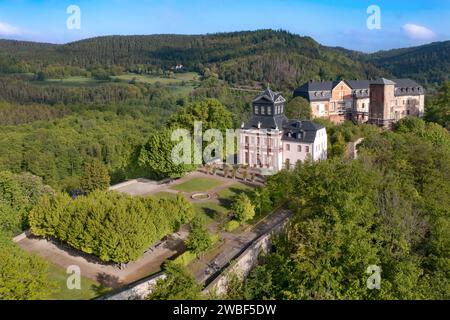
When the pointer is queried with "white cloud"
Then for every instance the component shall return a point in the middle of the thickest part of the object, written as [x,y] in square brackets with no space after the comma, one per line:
[418,32]
[8,30]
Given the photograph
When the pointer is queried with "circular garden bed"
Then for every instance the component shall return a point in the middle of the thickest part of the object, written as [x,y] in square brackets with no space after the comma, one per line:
[201,196]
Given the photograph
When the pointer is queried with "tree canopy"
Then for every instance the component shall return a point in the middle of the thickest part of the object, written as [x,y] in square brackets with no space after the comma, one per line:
[389,208]
[22,276]
[110,225]
[179,284]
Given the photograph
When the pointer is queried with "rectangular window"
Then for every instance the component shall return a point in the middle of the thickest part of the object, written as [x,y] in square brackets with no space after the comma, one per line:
[247,140]
[307,149]
[247,158]
[263,110]
[299,148]
[256,109]
[269,111]
[288,147]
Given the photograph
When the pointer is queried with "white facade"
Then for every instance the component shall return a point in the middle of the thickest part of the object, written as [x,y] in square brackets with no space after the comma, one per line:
[261,148]
[270,141]
[267,151]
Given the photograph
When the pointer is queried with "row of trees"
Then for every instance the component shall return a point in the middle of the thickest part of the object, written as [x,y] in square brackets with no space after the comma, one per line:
[112,226]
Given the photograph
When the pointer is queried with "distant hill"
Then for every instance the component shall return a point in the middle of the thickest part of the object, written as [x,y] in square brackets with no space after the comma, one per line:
[282,59]
[428,64]
[277,57]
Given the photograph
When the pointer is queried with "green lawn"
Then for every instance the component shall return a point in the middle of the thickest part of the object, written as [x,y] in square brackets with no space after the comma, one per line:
[232,191]
[198,185]
[89,289]
[164,194]
[211,211]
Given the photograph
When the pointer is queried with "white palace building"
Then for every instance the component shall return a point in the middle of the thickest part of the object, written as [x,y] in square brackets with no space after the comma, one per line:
[272,142]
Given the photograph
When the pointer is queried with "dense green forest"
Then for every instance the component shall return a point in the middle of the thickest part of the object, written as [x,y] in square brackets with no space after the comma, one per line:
[428,64]
[280,58]
[243,58]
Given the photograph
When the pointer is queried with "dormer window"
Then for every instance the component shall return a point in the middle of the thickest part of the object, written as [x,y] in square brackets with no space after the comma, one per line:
[269,110]
[256,109]
[263,110]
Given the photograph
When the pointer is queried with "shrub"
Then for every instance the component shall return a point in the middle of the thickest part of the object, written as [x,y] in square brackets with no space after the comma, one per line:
[185,258]
[199,239]
[243,208]
[232,225]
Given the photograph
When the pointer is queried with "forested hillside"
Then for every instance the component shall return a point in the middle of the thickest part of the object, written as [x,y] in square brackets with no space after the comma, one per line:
[428,64]
[276,57]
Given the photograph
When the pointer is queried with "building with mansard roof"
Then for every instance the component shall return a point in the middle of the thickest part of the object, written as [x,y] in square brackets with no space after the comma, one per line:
[381,102]
[270,141]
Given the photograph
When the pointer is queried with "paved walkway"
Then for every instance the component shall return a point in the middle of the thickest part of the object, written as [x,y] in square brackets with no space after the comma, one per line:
[144,187]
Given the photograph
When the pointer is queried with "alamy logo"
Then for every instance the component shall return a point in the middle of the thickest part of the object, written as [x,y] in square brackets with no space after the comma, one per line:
[188,148]
[374,281]
[374,20]
[74,20]
[74,278]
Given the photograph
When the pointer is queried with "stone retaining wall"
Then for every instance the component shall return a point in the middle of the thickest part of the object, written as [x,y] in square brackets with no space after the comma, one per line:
[243,264]
[135,291]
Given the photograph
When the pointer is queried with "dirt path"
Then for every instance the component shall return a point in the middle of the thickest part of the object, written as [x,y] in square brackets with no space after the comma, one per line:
[233,244]
[106,274]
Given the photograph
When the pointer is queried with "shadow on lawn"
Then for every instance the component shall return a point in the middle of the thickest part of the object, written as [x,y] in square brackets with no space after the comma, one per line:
[106,281]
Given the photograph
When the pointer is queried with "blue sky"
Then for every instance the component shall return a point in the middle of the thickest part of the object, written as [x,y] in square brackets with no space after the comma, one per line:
[336,23]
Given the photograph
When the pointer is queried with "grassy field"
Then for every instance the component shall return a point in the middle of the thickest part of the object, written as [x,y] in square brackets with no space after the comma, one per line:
[198,185]
[177,79]
[211,211]
[89,289]
[232,191]
[180,83]
[218,211]
[71,82]
[164,194]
